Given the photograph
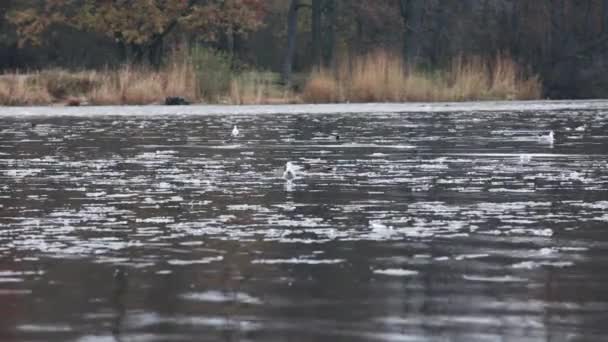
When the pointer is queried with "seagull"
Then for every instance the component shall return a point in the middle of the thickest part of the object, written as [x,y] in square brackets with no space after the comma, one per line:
[547,139]
[290,172]
[235,132]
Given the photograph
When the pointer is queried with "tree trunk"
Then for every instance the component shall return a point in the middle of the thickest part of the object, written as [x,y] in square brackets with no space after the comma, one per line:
[155,52]
[557,38]
[404,7]
[330,42]
[605,16]
[413,12]
[292,31]
[316,32]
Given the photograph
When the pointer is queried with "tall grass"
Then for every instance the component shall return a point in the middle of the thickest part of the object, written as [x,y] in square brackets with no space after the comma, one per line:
[198,75]
[201,75]
[255,87]
[383,77]
[17,90]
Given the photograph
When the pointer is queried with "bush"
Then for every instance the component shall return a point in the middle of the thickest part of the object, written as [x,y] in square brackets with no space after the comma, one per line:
[213,72]
[255,87]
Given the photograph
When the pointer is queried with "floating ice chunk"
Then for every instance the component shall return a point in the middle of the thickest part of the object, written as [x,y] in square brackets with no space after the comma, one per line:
[397,272]
[525,158]
[529,265]
[156,220]
[471,256]
[497,279]
[221,297]
[96,194]
[38,328]
[547,251]
[380,227]
[22,173]
[178,262]
[297,261]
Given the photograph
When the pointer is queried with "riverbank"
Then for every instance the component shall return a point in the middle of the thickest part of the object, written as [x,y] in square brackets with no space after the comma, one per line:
[205,78]
[291,109]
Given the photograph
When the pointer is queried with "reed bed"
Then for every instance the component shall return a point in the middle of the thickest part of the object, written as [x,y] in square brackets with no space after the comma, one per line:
[384,77]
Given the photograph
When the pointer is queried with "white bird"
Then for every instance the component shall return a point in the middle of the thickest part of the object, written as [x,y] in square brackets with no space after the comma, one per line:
[547,139]
[235,132]
[290,172]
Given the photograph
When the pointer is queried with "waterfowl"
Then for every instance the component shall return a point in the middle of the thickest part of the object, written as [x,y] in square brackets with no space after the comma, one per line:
[235,132]
[290,172]
[547,139]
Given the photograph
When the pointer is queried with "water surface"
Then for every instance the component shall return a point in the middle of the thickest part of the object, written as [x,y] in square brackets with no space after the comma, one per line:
[421,225]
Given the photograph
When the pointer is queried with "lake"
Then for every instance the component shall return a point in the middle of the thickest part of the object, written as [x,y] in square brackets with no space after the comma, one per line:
[447,222]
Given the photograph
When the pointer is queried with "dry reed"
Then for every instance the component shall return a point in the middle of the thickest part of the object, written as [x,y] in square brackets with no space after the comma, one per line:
[376,77]
[124,86]
[383,77]
[19,90]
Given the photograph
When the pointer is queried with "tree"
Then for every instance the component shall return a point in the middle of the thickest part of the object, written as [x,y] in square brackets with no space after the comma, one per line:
[8,40]
[317,46]
[139,27]
[331,9]
[292,32]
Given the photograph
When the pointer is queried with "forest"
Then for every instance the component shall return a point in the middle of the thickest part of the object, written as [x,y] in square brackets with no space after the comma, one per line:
[280,51]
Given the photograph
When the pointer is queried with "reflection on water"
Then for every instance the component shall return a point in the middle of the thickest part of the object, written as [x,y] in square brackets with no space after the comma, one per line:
[459,226]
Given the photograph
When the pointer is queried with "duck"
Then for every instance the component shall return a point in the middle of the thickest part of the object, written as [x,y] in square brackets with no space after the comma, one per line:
[547,139]
[235,131]
[525,158]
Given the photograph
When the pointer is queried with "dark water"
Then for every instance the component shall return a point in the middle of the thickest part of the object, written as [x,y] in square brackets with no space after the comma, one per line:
[411,227]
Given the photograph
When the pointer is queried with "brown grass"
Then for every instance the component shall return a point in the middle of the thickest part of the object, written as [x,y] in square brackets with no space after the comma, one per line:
[133,86]
[376,77]
[321,88]
[18,90]
[383,77]
[258,88]
[125,86]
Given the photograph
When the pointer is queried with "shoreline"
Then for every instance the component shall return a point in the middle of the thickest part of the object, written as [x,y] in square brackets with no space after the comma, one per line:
[288,109]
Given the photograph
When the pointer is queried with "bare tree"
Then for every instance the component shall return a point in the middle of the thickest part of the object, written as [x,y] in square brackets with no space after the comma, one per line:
[317,11]
[331,12]
[292,32]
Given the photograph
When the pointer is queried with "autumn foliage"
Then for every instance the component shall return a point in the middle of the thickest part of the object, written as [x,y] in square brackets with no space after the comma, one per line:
[140,25]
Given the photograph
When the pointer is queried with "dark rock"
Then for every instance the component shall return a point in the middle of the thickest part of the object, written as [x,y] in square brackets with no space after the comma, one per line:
[73,103]
[176,101]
